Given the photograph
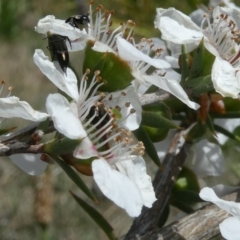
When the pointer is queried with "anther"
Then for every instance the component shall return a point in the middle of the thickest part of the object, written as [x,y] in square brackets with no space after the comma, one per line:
[132,111]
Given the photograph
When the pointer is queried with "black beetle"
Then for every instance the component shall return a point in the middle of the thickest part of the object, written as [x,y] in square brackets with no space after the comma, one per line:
[58,46]
[76,20]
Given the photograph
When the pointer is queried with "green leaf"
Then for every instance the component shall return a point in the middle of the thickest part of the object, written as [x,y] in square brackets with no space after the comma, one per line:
[208,60]
[186,196]
[152,119]
[161,109]
[210,124]
[181,205]
[199,85]
[226,132]
[115,72]
[231,105]
[61,146]
[75,178]
[156,134]
[225,115]
[184,199]
[197,65]
[96,216]
[187,180]
[142,135]
[184,63]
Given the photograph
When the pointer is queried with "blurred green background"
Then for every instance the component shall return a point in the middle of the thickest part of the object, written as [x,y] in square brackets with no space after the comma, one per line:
[22,196]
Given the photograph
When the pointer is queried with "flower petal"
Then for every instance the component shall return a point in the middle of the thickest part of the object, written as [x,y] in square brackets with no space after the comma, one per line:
[129,121]
[12,107]
[226,80]
[173,87]
[177,27]
[29,163]
[65,82]
[65,121]
[206,159]
[102,47]
[130,53]
[85,149]
[117,187]
[56,26]
[229,228]
[136,171]
[207,194]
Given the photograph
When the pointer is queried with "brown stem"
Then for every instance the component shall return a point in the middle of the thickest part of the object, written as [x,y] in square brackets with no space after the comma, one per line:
[163,183]
[202,224]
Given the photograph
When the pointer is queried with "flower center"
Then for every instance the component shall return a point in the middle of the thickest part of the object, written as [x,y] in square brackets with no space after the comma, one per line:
[101,123]
[100,28]
[224,35]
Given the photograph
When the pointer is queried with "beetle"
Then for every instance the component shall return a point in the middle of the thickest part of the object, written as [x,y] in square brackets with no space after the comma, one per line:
[76,20]
[58,46]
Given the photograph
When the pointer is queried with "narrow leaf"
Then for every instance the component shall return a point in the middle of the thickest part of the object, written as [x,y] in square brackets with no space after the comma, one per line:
[186,196]
[61,146]
[225,115]
[96,216]
[210,125]
[182,206]
[152,119]
[75,178]
[142,135]
[199,85]
[184,63]
[197,65]
[226,132]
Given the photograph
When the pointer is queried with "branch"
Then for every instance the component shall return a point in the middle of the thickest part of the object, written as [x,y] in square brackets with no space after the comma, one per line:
[16,147]
[21,142]
[163,183]
[154,97]
[19,134]
[202,224]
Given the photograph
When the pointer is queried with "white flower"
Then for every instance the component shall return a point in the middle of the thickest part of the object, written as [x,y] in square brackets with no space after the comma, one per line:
[29,163]
[230,227]
[205,158]
[102,122]
[12,107]
[57,26]
[112,41]
[140,63]
[221,38]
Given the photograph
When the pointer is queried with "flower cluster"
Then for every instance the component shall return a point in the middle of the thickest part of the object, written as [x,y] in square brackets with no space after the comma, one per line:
[98,105]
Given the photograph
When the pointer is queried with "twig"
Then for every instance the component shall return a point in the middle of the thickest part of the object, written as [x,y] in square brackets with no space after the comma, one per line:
[18,142]
[15,147]
[202,224]
[19,134]
[163,183]
[154,97]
